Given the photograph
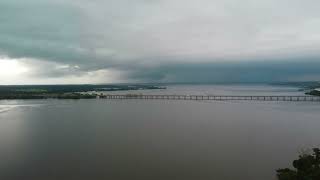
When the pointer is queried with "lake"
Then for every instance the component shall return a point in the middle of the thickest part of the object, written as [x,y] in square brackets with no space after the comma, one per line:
[157,139]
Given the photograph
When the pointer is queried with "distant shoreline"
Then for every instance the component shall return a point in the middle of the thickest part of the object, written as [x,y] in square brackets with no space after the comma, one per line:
[24,92]
[64,91]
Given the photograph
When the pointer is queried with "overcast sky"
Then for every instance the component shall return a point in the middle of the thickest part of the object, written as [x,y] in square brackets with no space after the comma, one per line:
[111,41]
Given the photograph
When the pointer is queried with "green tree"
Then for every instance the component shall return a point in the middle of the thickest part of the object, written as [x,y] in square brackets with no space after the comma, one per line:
[307,167]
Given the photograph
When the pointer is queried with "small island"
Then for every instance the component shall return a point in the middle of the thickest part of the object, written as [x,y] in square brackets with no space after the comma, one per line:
[66,91]
[315,92]
[310,88]
[313,89]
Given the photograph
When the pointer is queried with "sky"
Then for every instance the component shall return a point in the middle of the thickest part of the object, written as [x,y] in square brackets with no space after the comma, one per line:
[140,41]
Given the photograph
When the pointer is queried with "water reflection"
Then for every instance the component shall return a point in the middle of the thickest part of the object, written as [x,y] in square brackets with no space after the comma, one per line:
[133,139]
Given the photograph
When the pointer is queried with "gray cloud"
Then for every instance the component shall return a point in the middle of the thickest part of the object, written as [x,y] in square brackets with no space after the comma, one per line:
[233,72]
[163,40]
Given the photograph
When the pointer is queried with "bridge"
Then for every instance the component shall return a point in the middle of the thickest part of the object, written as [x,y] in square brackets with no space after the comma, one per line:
[213,97]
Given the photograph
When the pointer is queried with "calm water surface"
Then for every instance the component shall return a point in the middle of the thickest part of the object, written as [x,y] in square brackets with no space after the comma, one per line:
[155,139]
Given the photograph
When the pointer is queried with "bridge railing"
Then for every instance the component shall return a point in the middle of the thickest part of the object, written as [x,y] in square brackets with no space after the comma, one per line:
[214,97]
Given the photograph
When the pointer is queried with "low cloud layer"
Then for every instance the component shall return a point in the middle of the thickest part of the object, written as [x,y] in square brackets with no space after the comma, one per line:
[98,41]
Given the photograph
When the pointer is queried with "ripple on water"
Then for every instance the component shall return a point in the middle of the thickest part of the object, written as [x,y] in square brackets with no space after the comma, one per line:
[6,108]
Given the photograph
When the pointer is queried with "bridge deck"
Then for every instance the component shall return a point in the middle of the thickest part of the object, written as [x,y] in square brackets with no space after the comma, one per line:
[215,98]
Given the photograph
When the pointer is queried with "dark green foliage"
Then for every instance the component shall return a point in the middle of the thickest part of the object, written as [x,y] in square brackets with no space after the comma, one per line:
[314,93]
[36,89]
[64,91]
[307,167]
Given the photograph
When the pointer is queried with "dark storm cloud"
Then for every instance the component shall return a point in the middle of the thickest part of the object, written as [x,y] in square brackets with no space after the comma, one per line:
[164,41]
[235,72]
